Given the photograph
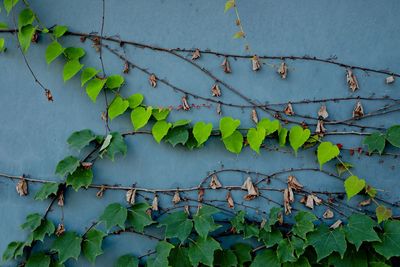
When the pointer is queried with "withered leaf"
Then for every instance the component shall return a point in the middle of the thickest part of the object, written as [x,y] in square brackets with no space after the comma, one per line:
[153,80]
[287,200]
[351,80]
[252,191]
[293,183]
[320,129]
[185,104]
[309,202]
[60,201]
[215,183]
[283,70]
[328,214]
[358,111]
[60,229]
[126,67]
[101,191]
[322,112]
[336,224]
[289,109]
[177,198]
[22,187]
[389,79]
[365,202]
[154,204]
[219,109]
[254,115]
[215,91]
[196,54]
[226,66]
[186,209]
[130,196]
[255,62]
[200,195]
[229,199]
[49,95]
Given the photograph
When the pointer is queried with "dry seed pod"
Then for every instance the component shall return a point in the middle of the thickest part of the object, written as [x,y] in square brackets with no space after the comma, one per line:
[286,201]
[289,109]
[100,193]
[283,70]
[293,183]
[49,95]
[255,62]
[358,111]
[320,129]
[226,66]
[389,79]
[351,80]
[254,115]
[130,196]
[229,199]
[336,224]
[185,104]
[196,54]
[177,198]
[154,204]
[252,191]
[215,91]
[219,109]
[322,112]
[153,80]
[328,214]
[214,183]
[60,229]
[22,187]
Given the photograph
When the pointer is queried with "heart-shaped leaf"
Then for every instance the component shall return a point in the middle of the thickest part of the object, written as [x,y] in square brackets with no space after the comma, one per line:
[234,142]
[353,186]
[269,126]
[228,126]
[255,137]
[393,135]
[201,131]
[383,213]
[298,136]
[326,151]
[160,129]
[375,142]
[140,116]
[117,107]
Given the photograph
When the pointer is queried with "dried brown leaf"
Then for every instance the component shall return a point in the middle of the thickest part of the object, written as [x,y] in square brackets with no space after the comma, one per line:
[358,111]
[320,129]
[255,62]
[230,201]
[226,66]
[196,54]
[293,183]
[215,183]
[219,109]
[22,187]
[286,201]
[254,115]
[60,201]
[390,79]
[288,110]
[186,209]
[283,70]
[154,204]
[351,80]
[336,224]
[252,191]
[101,191]
[126,67]
[322,112]
[49,95]
[131,196]
[215,90]
[60,229]
[177,198]
[365,202]
[153,80]
[328,214]
[185,104]
[200,195]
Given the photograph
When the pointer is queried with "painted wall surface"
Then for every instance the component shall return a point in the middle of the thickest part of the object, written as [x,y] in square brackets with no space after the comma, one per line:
[33,132]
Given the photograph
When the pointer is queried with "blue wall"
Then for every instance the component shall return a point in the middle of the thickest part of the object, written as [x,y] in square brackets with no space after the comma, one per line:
[33,131]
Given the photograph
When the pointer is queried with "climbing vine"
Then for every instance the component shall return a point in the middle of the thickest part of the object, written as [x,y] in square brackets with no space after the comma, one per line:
[194,227]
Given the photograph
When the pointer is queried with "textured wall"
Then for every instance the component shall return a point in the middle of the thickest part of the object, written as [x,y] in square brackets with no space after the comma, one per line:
[33,131]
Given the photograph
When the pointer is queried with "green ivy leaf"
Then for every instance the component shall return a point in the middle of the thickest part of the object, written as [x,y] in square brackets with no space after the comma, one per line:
[25,17]
[140,116]
[238,35]
[2,44]
[178,135]
[13,250]
[375,142]
[285,251]
[298,244]
[390,245]
[177,225]
[135,100]
[255,137]
[160,129]
[342,167]
[251,230]
[117,145]
[393,135]
[204,222]
[242,252]
[9,4]
[304,223]
[270,238]
[351,258]
[3,25]
[68,245]
[114,214]
[81,177]
[117,107]
[383,213]
[45,228]
[87,74]
[283,136]
[228,126]
[53,51]
[115,81]
[225,258]
[180,123]
[59,31]
[360,228]
[67,165]
[91,245]
[71,68]
[353,185]
[269,126]
[312,141]
[325,241]
[266,258]
[301,262]
[74,53]
[94,87]
[229,4]
[179,257]
[81,139]
[163,249]
[25,35]
[202,251]
[234,143]
[238,221]
[127,261]
[138,217]
[298,136]
[275,214]
[326,151]
[32,222]
[202,131]
[47,190]
[38,260]
[160,113]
